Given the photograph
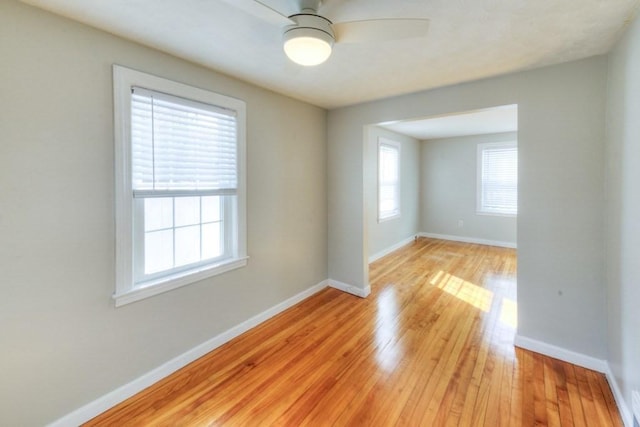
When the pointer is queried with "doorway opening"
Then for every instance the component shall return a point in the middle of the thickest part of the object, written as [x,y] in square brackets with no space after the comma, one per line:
[441,209]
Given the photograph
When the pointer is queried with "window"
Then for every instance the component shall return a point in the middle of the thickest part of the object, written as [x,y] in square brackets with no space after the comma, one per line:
[498,178]
[388,179]
[180,184]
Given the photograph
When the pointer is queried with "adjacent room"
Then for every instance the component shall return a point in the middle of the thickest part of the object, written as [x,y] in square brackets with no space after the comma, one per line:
[303,212]
[453,176]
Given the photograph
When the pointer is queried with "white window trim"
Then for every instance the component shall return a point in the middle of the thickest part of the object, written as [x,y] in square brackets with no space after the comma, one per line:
[396,145]
[123,80]
[481,147]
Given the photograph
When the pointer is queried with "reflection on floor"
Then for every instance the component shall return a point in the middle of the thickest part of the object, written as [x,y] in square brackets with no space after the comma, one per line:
[431,346]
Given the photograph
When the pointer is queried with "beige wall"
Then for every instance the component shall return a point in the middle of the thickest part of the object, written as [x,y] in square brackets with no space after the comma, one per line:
[449,190]
[623,212]
[386,234]
[561,109]
[62,342]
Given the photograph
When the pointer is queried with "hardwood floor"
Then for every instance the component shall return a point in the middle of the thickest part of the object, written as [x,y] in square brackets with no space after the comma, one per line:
[431,346]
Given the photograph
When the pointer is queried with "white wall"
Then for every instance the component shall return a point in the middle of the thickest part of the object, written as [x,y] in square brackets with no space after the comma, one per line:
[449,190]
[560,223]
[62,342]
[386,234]
[623,212]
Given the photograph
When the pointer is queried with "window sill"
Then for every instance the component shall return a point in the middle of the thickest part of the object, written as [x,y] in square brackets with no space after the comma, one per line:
[388,218]
[508,215]
[169,283]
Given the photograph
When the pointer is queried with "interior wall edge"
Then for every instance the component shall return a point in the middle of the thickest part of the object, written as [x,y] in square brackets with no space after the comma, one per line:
[391,248]
[350,289]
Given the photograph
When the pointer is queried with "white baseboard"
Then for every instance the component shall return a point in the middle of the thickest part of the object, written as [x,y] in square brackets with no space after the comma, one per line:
[469,240]
[625,413]
[390,249]
[98,406]
[635,406]
[556,352]
[359,292]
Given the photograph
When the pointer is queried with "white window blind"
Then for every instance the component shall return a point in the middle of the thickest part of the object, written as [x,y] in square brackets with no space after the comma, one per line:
[180,146]
[498,179]
[388,179]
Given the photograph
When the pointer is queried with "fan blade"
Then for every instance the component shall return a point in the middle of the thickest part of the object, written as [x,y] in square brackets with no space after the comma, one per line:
[261,10]
[379,30]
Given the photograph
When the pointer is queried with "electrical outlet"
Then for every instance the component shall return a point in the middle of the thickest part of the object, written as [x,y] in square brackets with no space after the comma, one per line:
[460,223]
[635,403]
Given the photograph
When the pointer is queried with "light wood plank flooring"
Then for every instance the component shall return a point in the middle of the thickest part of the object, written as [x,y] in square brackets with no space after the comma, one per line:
[431,346]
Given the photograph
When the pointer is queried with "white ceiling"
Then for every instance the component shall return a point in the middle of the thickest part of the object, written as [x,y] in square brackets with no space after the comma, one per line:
[478,122]
[468,40]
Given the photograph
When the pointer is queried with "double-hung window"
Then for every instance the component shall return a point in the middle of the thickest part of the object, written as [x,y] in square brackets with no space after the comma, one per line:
[388,179]
[498,178]
[180,185]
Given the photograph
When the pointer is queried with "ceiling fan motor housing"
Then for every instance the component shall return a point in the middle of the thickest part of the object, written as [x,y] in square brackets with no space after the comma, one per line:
[309,40]
[312,25]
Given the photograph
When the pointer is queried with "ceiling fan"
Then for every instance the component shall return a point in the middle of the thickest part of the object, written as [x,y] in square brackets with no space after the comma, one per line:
[309,37]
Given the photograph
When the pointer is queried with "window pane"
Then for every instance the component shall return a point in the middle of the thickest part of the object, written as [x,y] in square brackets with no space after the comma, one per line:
[187,211]
[211,240]
[499,186]
[388,164]
[158,213]
[387,199]
[187,245]
[158,255]
[388,180]
[211,209]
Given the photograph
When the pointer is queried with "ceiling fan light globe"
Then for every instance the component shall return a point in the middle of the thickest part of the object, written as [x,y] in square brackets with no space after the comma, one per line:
[307,46]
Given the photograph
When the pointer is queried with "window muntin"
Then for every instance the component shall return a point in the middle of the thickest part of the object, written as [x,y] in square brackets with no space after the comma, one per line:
[498,178]
[180,209]
[388,179]
[179,233]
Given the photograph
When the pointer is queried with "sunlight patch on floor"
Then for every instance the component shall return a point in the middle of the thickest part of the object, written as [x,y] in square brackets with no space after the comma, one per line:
[509,313]
[465,291]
